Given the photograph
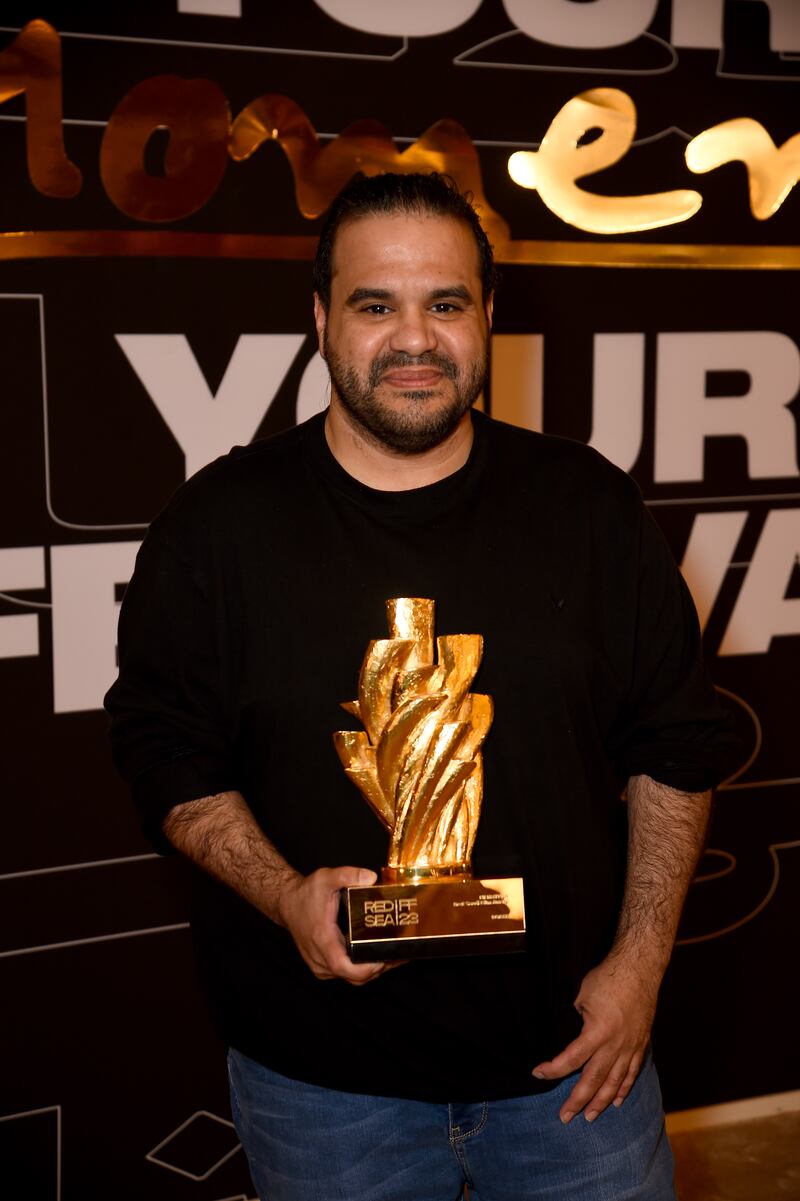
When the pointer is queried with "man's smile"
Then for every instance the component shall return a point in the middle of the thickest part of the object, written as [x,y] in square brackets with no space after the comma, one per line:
[412,377]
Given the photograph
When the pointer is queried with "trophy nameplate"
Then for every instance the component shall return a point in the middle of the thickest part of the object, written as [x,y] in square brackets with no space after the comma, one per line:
[418,764]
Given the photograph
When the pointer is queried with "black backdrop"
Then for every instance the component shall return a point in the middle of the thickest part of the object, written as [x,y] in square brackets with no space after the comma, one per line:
[119,334]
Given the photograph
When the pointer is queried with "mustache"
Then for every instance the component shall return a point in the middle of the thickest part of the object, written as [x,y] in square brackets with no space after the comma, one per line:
[430,358]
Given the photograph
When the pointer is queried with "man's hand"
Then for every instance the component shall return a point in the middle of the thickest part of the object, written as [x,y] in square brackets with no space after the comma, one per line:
[617,1006]
[617,999]
[308,906]
[220,835]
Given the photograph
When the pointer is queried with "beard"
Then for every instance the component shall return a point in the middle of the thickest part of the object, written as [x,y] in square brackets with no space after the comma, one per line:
[418,426]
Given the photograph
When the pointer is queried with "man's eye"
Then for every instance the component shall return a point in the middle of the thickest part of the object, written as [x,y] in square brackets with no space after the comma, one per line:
[445,306]
[377,308]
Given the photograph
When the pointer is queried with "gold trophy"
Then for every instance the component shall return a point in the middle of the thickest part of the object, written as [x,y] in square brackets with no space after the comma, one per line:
[418,764]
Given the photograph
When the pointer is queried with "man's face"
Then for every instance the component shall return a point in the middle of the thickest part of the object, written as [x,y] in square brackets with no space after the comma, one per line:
[406,334]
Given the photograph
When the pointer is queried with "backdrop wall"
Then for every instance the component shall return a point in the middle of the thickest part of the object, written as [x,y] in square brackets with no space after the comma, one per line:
[163,167]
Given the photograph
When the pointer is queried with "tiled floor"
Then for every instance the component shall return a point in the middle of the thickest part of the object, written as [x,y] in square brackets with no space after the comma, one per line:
[757,1160]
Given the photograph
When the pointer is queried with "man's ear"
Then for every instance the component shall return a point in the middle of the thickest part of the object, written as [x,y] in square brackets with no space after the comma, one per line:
[320,321]
[489,308]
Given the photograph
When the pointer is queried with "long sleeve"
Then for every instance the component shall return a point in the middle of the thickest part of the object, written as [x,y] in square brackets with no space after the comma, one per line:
[169,731]
[671,727]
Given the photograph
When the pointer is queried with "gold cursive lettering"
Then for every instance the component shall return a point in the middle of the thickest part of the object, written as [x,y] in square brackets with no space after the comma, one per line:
[321,171]
[31,66]
[197,116]
[772,170]
[561,159]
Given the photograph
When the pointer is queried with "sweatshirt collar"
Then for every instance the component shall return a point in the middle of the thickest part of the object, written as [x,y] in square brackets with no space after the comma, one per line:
[410,503]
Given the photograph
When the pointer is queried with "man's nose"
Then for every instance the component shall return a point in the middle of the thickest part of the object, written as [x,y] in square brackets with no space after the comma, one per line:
[414,331]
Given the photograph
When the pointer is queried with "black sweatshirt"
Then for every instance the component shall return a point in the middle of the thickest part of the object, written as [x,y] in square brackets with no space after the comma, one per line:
[255,595]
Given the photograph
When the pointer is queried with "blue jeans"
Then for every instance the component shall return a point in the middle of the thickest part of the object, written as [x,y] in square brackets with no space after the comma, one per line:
[305,1143]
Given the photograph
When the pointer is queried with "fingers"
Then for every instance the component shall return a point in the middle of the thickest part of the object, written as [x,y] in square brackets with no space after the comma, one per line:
[630,1079]
[606,1079]
[335,963]
[573,1057]
[617,1011]
[608,1075]
[597,1087]
[311,917]
[599,1082]
[346,877]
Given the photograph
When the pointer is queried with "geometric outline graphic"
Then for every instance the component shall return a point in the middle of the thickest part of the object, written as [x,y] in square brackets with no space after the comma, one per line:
[760,907]
[76,942]
[200,1113]
[69,525]
[97,938]
[74,867]
[298,51]
[462,59]
[730,862]
[31,1113]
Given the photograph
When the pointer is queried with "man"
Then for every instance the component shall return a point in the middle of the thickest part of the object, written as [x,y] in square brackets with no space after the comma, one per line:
[254,597]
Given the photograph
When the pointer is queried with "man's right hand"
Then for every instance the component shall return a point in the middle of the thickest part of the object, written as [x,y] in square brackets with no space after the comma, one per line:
[308,908]
[220,834]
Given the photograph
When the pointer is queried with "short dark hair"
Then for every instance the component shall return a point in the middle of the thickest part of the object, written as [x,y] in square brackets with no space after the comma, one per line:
[390,193]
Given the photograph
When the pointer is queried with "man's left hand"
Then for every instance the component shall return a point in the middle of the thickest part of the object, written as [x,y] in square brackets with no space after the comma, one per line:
[617,1006]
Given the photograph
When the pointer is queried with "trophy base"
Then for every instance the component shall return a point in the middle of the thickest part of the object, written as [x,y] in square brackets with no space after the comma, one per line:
[422,919]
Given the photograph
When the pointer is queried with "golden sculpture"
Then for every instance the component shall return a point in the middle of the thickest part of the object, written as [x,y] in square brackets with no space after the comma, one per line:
[418,761]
